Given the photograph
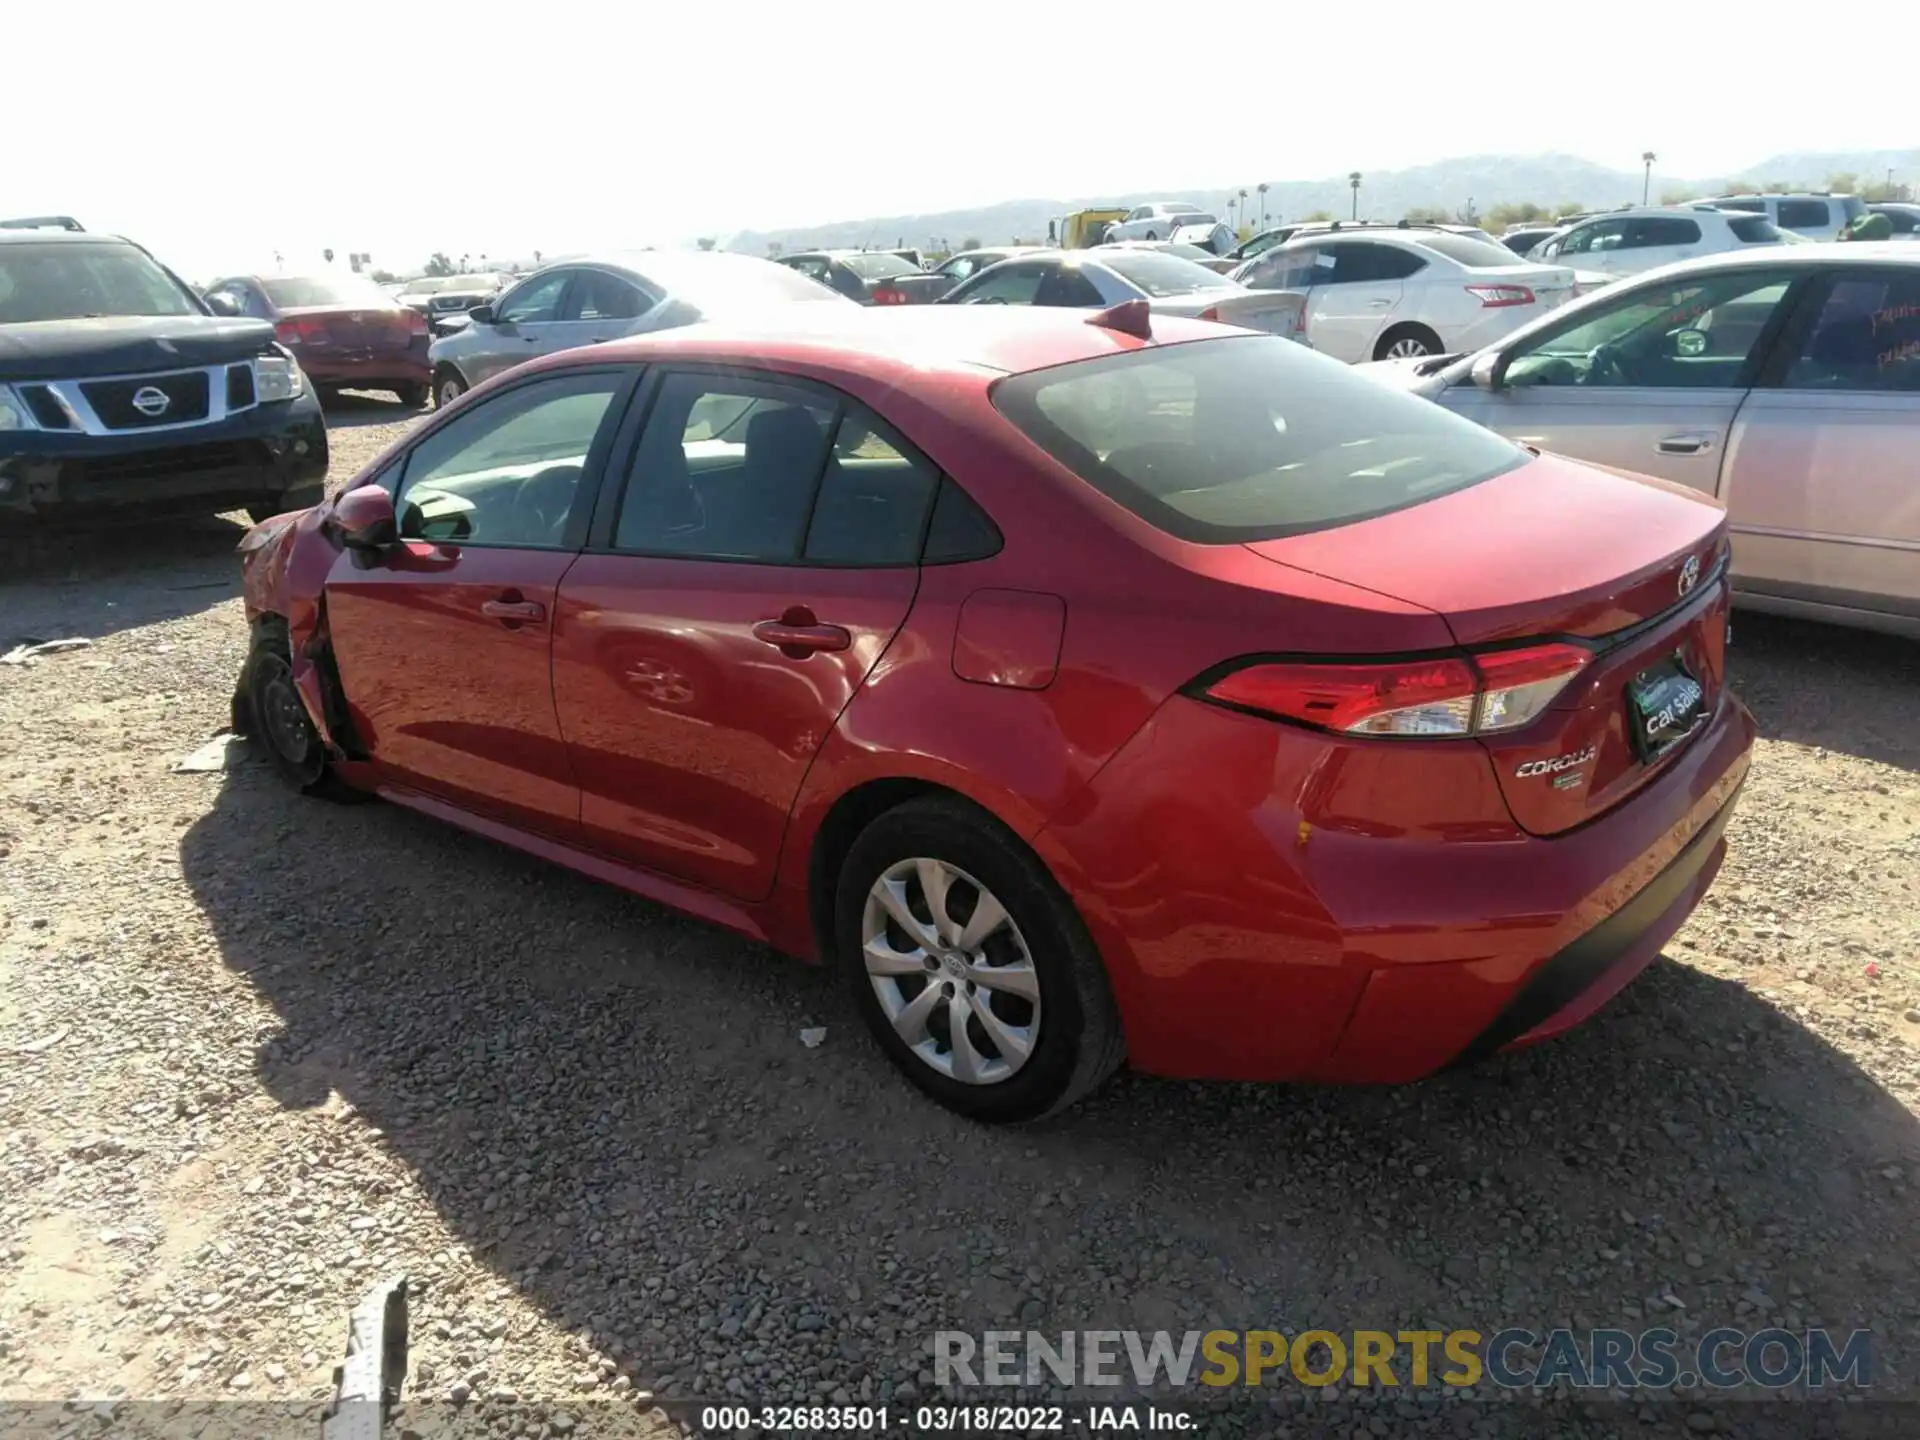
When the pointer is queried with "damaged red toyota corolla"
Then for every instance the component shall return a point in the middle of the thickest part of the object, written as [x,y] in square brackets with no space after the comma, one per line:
[1083,694]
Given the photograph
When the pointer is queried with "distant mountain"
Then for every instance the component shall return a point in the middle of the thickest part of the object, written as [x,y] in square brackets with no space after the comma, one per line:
[1479,181]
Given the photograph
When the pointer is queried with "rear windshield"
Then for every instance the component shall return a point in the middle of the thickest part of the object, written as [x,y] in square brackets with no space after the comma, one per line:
[1230,441]
[68,281]
[1157,273]
[1753,229]
[1473,251]
[879,266]
[289,292]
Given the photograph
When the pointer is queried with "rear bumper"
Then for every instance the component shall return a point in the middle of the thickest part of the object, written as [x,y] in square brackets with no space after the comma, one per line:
[1265,914]
[264,452]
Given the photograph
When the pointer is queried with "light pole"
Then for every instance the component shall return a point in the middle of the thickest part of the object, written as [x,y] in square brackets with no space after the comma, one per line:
[1647,157]
[1353,179]
[1262,188]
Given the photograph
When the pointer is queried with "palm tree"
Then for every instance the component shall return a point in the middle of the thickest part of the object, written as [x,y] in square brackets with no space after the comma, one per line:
[1262,188]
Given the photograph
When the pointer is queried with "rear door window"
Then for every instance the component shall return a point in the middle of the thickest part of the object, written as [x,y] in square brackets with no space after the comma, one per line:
[1357,262]
[1067,286]
[1754,230]
[1866,337]
[1229,441]
[1804,215]
[1654,230]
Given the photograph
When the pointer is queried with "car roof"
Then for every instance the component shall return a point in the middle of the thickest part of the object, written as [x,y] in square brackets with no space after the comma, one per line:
[893,346]
[1817,252]
[51,236]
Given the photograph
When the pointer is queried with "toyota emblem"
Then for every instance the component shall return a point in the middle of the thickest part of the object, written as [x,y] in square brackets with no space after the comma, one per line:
[151,401]
[1689,574]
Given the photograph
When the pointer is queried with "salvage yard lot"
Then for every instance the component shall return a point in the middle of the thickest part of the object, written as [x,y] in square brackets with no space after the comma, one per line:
[261,1052]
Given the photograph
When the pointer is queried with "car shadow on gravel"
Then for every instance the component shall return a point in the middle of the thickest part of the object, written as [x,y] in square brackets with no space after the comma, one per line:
[611,1107]
[58,583]
[349,409]
[1848,691]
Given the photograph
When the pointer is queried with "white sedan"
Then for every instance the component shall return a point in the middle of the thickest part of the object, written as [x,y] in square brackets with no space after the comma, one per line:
[1394,291]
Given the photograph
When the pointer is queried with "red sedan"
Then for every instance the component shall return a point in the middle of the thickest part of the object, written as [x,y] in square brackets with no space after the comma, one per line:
[1083,688]
[346,332]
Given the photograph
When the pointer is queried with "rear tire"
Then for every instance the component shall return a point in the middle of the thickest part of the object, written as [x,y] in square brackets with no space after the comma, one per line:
[412,396]
[447,387]
[1070,1029]
[268,710]
[1405,342]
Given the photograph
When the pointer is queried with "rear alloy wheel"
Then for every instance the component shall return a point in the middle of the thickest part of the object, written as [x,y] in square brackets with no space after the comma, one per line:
[447,388]
[970,967]
[1407,342]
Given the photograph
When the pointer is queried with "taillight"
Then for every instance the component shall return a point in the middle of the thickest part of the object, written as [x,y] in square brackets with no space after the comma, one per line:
[1212,312]
[888,295]
[1494,297]
[416,322]
[1448,696]
[300,332]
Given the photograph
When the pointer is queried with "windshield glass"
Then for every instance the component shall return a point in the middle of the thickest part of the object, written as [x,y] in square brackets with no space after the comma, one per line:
[878,265]
[64,281]
[290,292]
[1229,441]
[1158,274]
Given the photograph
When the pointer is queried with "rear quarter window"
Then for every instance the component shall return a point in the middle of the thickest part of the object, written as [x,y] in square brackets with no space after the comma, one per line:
[1251,438]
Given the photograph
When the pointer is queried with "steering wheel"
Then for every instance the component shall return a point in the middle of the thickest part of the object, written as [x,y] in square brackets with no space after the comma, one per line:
[1606,366]
[541,503]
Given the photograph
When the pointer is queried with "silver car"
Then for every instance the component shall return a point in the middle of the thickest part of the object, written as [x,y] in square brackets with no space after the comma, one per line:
[1784,381]
[603,297]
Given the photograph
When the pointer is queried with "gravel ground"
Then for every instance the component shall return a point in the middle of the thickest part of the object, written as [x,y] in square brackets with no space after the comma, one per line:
[260,1052]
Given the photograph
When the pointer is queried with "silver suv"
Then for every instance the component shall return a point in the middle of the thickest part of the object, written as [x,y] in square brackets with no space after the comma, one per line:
[1816,214]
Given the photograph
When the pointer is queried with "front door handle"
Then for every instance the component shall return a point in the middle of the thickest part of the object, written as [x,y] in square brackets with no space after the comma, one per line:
[797,634]
[514,612]
[1684,444]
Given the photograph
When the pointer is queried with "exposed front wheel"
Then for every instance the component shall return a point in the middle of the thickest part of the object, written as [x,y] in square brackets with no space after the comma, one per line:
[447,388]
[273,715]
[1407,342]
[971,967]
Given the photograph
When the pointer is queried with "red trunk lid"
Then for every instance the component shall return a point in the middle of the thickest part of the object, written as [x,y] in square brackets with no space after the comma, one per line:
[1633,569]
[353,328]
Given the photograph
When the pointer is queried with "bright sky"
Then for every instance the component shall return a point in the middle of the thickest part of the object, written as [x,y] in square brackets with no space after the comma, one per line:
[218,133]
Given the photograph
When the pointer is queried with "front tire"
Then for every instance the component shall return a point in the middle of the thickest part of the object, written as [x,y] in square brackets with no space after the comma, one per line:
[970,965]
[1407,342]
[447,387]
[269,710]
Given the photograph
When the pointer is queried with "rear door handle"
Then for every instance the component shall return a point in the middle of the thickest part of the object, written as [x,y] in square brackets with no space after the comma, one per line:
[1379,304]
[1684,444]
[804,639]
[514,612]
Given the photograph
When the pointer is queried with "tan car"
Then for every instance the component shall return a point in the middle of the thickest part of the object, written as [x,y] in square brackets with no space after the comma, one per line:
[1785,381]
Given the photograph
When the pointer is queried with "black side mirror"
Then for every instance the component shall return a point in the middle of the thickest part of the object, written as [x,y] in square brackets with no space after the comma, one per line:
[222,305]
[481,314]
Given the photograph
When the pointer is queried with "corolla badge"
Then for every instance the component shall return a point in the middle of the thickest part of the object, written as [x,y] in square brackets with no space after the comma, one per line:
[1689,574]
[151,401]
[1570,761]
